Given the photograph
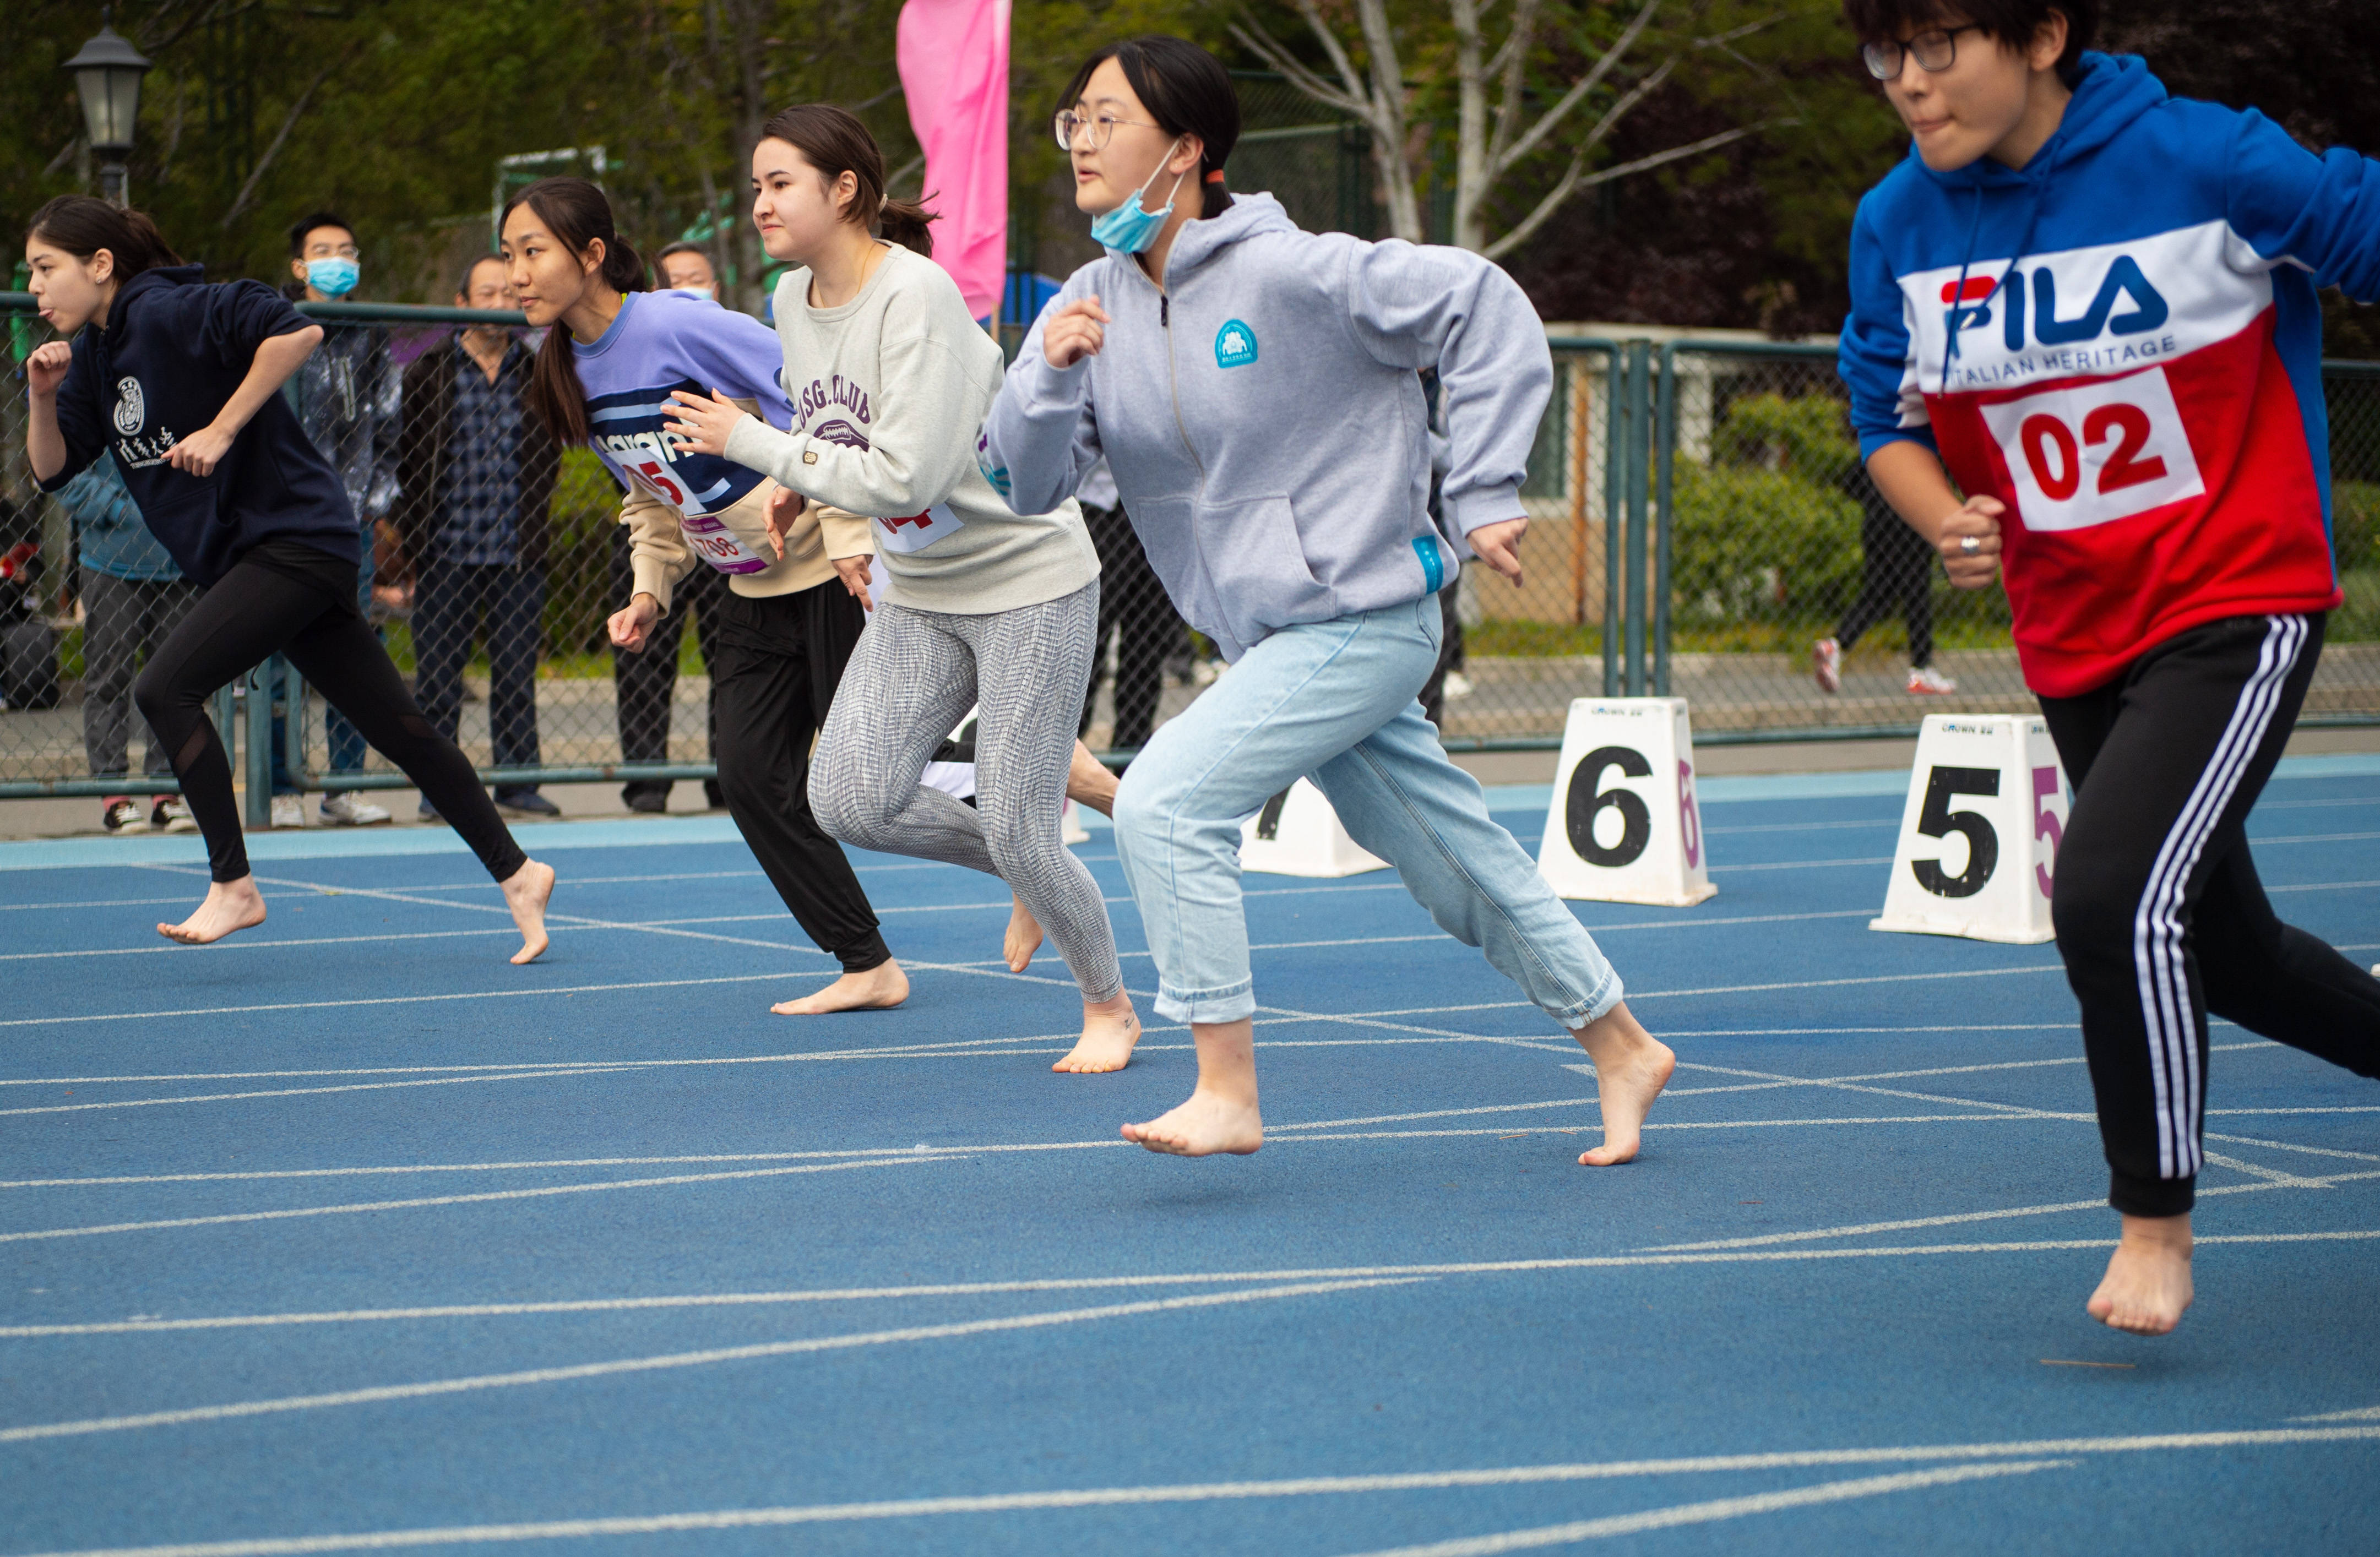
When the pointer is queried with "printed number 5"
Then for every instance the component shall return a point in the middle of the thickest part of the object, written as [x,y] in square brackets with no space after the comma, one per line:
[2044,786]
[1936,819]
[659,481]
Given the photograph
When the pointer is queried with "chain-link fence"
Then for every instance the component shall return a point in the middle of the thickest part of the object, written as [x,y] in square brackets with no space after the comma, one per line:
[1700,518]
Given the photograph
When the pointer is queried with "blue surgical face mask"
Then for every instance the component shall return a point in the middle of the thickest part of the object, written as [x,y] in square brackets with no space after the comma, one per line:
[334,277]
[1130,230]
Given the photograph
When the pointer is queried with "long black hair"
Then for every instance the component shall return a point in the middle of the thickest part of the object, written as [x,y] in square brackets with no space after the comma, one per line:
[82,226]
[580,216]
[832,140]
[1187,91]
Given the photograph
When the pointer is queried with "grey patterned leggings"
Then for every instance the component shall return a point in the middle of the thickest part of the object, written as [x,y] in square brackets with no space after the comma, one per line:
[911,678]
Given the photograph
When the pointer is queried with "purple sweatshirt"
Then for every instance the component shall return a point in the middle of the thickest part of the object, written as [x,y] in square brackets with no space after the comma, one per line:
[665,341]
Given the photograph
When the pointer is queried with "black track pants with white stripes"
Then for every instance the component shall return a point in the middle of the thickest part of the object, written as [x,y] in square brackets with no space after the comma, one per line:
[2160,917]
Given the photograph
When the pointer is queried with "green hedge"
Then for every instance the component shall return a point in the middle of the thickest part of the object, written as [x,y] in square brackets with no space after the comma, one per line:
[1767,532]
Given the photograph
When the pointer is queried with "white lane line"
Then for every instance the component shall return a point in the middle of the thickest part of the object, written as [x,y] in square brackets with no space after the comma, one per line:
[673,1360]
[541,1074]
[1800,827]
[482,1198]
[2014,1109]
[97,902]
[1799,865]
[1716,1509]
[1641,1259]
[1211,1491]
[2368,1414]
[391,1000]
[2270,1175]
[2293,1146]
[250,944]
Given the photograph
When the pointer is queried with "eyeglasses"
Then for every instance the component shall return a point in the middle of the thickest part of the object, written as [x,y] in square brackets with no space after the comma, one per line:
[1102,127]
[1935,50]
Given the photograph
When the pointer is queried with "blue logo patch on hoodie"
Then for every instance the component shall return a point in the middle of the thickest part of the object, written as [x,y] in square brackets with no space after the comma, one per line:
[1235,344]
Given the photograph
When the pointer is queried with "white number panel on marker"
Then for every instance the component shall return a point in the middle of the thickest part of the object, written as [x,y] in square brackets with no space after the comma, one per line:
[919,531]
[2095,453]
[1979,836]
[1625,826]
[1296,833]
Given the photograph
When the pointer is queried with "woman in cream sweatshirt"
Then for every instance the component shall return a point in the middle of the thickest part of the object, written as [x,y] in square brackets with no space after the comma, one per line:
[888,379]
[612,354]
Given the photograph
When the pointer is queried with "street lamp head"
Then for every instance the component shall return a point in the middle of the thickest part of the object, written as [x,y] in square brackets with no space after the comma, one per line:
[107,78]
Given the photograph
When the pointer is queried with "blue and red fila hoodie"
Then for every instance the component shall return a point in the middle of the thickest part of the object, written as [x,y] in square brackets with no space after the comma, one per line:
[2121,341]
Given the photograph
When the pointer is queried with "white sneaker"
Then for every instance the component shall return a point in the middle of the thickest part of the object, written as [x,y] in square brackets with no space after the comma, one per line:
[1926,682]
[351,810]
[1457,685]
[288,811]
[123,814]
[1827,660]
[172,814]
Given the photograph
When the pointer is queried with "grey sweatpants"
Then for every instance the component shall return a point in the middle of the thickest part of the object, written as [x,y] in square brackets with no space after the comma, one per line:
[123,620]
[912,677]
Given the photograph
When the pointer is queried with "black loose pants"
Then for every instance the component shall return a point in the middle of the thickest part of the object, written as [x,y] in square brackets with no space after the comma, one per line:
[779,662]
[252,611]
[2160,918]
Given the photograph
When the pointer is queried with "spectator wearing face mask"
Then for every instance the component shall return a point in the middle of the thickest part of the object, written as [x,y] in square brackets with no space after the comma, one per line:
[475,478]
[345,396]
[645,684]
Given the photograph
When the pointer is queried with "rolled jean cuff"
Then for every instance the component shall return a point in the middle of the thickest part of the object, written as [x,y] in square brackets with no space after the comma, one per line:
[1594,1008]
[2151,1197]
[1234,1002]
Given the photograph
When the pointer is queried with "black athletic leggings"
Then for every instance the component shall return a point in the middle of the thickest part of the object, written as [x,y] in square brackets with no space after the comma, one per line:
[253,612]
[2160,917]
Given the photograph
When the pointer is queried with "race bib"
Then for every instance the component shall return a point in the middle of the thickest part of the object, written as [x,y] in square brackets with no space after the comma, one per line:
[716,544]
[656,479]
[919,531]
[2095,453]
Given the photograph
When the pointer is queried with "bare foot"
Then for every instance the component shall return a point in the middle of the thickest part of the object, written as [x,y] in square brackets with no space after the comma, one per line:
[1109,1029]
[879,989]
[230,905]
[2147,1284]
[527,892]
[1088,782]
[1023,937]
[1631,1069]
[1209,1122]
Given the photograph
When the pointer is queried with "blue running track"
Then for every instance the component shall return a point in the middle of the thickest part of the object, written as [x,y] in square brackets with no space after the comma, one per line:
[347,1235]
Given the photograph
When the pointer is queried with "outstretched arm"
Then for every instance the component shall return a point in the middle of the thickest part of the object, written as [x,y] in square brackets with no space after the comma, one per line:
[277,357]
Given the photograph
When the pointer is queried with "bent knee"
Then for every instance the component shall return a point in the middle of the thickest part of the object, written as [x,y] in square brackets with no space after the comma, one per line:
[850,814]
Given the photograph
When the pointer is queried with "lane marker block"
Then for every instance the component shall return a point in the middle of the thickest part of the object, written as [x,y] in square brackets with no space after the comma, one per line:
[1979,836]
[1296,833]
[1623,826]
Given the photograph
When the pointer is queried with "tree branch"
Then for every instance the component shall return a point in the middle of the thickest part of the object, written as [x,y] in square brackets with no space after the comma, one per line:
[1535,134]
[288,122]
[1572,182]
[1256,42]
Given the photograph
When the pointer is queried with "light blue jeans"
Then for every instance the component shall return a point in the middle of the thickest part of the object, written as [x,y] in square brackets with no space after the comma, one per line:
[1334,701]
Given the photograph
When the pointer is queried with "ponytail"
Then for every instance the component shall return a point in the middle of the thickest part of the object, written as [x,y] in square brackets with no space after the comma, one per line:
[580,216]
[832,140]
[82,226]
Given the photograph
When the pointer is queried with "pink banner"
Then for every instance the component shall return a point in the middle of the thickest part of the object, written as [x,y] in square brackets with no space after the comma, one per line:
[954,57]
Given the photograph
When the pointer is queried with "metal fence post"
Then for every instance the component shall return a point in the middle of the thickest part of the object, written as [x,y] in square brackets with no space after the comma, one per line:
[1640,358]
[1665,453]
[258,748]
[295,707]
[1615,444]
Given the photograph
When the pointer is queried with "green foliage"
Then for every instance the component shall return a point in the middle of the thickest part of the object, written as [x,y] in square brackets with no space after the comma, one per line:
[578,554]
[2355,523]
[1766,532]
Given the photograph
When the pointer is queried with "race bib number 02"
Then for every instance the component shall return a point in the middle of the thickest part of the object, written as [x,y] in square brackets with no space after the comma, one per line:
[2095,453]
[919,531]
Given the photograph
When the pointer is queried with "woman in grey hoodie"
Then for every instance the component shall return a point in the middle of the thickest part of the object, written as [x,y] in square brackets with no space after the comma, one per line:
[1255,391]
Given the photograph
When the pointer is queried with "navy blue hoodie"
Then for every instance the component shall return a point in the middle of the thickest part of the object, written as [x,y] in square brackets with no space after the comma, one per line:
[173,351]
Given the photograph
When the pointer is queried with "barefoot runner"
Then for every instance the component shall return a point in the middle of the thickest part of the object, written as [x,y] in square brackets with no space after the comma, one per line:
[181,380]
[612,354]
[2117,354]
[890,380]
[1253,389]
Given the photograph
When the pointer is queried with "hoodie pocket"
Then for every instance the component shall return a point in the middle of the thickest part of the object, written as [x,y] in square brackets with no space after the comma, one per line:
[1256,558]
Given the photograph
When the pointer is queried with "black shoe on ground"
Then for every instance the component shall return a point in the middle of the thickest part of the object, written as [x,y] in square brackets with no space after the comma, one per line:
[527,802]
[648,795]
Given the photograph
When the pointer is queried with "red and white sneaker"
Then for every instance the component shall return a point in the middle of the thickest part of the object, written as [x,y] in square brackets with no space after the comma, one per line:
[1926,682]
[1826,659]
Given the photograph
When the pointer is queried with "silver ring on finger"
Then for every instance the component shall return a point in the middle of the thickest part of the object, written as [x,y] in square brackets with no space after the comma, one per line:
[1969,544]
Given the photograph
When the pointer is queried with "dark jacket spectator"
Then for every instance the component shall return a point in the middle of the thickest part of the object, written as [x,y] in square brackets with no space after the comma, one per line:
[426,427]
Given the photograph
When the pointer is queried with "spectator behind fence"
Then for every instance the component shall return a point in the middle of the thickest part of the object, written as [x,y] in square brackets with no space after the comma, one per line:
[345,397]
[1133,608]
[645,684]
[132,597]
[1896,569]
[475,474]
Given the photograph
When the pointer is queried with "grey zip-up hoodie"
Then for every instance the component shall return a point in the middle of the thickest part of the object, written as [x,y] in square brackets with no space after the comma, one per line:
[1264,419]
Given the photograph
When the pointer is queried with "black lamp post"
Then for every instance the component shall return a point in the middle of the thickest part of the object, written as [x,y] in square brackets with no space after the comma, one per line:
[107,78]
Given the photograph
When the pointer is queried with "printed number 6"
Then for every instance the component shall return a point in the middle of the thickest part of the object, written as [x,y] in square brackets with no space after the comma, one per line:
[1936,819]
[1584,804]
